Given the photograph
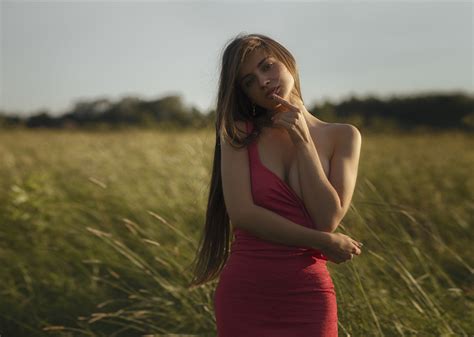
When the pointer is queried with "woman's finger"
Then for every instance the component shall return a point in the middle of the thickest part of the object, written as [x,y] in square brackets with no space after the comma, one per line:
[283,123]
[356,250]
[285,102]
[287,119]
[357,243]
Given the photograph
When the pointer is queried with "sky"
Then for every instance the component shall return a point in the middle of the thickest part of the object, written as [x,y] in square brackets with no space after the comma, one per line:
[56,53]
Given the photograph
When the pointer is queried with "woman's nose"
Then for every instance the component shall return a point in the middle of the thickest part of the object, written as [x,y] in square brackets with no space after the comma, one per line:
[264,82]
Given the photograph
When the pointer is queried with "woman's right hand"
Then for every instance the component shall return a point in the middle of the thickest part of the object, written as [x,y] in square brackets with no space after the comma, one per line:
[341,248]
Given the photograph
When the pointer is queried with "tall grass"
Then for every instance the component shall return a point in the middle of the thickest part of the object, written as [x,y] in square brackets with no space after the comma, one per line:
[98,230]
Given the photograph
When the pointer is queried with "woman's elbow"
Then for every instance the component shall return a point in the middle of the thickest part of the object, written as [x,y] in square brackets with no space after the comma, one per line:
[335,220]
[330,228]
[333,227]
[329,225]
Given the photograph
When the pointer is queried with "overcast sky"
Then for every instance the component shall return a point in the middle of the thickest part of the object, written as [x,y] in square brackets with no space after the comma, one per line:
[54,53]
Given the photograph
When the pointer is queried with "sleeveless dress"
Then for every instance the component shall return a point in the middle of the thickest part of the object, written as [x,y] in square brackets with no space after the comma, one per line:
[267,289]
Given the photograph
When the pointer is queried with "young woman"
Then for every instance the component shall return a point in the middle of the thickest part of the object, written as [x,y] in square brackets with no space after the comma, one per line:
[284,180]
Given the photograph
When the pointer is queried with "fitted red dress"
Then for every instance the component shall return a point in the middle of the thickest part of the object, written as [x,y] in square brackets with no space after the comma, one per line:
[267,289]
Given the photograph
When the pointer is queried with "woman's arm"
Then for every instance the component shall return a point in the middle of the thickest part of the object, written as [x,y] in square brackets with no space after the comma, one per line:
[263,223]
[271,226]
[327,200]
[245,214]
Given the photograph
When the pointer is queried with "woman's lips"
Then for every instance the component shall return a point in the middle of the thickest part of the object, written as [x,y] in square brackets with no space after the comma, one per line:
[276,91]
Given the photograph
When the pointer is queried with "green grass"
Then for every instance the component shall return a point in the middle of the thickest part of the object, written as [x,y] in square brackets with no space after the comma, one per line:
[98,230]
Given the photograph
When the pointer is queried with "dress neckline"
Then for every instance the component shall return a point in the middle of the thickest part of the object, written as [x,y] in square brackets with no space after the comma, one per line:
[284,183]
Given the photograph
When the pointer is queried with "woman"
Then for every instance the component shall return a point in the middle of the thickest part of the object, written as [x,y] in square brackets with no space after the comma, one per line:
[284,179]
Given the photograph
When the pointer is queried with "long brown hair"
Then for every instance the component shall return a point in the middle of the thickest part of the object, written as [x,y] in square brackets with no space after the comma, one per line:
[232,105]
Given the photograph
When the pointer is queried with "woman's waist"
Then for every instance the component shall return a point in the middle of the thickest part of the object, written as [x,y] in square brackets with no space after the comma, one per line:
[246,244]
[298,272]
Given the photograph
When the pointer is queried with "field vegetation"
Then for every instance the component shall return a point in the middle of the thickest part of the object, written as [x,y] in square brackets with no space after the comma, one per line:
[98,231]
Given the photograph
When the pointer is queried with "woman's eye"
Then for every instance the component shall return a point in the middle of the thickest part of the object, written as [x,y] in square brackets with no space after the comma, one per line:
[268,65]
[265,67]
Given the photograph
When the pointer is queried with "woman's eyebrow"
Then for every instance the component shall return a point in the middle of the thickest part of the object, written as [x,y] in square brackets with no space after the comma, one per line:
[258,65]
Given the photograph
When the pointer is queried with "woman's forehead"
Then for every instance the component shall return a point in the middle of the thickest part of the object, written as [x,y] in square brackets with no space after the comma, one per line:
[254,56]
[251,61]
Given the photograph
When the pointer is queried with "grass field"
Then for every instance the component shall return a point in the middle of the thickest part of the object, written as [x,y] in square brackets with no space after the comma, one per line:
[98,230]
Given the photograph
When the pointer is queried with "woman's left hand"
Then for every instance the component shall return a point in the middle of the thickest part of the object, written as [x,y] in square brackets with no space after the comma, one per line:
[292,120]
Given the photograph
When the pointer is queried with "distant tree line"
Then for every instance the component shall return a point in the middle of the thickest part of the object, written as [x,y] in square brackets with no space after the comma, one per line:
[433,110]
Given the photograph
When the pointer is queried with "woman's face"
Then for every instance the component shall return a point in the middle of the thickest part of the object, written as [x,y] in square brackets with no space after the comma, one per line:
[260,74]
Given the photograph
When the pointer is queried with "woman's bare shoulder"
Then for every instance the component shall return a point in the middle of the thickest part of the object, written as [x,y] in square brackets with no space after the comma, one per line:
[341,129]
[343,133]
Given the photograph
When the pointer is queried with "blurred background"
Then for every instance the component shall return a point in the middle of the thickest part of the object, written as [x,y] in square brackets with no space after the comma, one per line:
[71,64]
[107,114]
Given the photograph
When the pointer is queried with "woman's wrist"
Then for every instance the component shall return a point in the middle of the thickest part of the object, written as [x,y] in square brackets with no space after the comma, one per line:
[321,239]
[305,147]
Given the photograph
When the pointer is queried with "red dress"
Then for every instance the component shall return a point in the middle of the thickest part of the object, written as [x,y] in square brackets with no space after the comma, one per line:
[267,289]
